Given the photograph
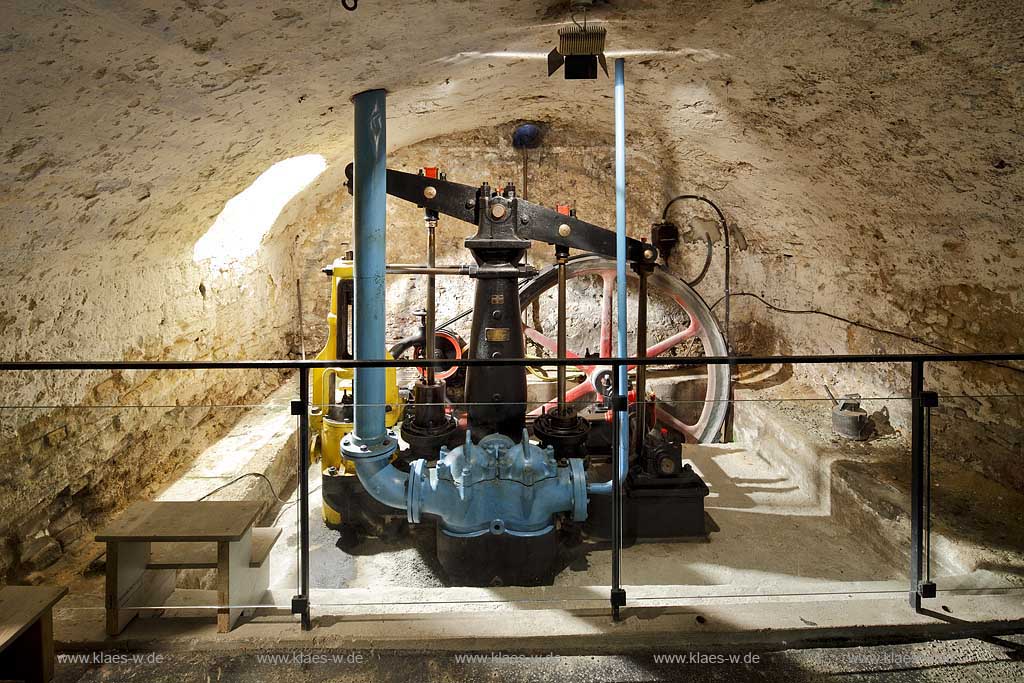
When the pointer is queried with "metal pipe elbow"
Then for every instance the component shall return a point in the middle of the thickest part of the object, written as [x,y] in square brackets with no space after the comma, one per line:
[383,481]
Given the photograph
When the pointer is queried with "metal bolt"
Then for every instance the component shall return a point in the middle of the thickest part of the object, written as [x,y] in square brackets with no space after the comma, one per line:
[524,220]
[470,204]
[564,230]
[430,192]
[498,210]
[648,254]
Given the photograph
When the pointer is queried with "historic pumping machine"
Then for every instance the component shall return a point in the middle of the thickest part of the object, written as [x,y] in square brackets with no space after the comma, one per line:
[497,479]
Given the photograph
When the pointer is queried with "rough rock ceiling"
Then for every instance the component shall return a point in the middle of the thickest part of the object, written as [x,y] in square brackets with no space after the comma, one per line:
[858,139]
[186,100]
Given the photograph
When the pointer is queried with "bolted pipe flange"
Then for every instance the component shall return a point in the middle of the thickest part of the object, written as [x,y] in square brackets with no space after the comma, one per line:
[579,489]
[354,448]
[419,473]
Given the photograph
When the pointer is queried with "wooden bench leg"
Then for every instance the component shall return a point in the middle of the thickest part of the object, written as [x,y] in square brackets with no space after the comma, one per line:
[30,657]
[130,585]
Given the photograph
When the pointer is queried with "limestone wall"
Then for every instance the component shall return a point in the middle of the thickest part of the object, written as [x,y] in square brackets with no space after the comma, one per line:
[867,153]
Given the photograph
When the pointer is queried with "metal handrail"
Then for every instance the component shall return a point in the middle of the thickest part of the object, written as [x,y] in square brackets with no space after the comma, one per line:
[808,359]
[921,585]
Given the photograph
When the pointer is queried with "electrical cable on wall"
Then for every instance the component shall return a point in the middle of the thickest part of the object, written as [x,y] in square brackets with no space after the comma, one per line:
[855,323]
[728,256]
[243,476]
[710,250]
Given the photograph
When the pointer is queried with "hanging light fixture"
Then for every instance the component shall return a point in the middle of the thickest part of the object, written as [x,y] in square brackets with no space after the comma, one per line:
[580,48]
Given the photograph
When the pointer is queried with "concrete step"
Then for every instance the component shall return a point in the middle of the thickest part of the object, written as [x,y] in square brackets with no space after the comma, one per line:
[555,627]
[977,524]
[262,442]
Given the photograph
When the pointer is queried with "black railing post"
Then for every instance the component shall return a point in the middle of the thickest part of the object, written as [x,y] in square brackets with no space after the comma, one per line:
[300,408]
[916,481]
[922,403]
[620,407]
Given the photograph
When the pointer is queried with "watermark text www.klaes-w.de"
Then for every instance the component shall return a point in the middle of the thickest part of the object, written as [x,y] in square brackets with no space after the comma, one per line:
[300,657]
[707,658]
[115,658]
[486,657]
[291,658]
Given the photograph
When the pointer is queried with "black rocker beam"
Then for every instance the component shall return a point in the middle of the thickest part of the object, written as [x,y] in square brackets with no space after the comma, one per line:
[534,222]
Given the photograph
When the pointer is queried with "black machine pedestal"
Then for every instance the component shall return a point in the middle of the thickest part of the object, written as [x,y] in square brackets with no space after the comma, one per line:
[361,513]
[653,507]
[498,560]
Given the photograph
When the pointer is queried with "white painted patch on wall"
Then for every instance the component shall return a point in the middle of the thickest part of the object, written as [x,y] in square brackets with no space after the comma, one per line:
[247,217]
[697,55]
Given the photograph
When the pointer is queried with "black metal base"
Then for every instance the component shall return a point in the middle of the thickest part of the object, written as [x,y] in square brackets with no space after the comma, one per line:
[653,507]
[426,427]
[360,512]
[567,433]
[501,560]
[426,442]
[300,606]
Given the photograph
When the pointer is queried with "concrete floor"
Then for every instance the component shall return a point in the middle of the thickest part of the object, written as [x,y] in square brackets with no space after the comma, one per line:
[787,564]
[792,510]
[990,660]
[772,532]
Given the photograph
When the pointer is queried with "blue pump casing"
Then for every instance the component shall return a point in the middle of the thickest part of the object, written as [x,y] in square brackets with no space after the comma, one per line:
[496,486]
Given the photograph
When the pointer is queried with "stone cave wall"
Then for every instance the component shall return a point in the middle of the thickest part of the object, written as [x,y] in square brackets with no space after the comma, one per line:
[76,446]
[867,155]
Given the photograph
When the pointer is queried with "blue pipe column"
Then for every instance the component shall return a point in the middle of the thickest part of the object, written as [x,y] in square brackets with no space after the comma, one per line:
[620,255]
[605,488]
[369,438]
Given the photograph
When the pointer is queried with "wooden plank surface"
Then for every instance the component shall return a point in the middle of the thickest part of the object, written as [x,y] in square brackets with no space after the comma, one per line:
[21,606]
[168,521]
[204,555]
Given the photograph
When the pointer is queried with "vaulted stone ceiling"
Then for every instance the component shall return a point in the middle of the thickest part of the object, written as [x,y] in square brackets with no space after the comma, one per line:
[868,154]
[867,151]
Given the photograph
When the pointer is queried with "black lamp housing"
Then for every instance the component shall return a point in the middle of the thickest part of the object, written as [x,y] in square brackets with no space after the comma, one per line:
[580,49]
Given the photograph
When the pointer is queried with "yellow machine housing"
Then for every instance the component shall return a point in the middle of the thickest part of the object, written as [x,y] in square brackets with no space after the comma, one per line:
[327,427]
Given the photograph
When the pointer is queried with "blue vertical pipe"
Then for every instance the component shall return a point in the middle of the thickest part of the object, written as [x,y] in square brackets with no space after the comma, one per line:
[620,252]
[369,194]
[605,488]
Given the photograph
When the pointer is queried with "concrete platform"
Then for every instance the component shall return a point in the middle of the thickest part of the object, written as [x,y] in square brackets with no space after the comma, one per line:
[262,442]
[807,545]
[977,524]
[967,660]
[500,622]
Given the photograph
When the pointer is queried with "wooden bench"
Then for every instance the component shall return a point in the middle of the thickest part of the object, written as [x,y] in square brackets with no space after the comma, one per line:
[26,631]
[151,540]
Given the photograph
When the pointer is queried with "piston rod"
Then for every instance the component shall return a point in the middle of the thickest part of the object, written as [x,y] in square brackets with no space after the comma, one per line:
[415,269]
[561,259]
[429,341]
[643,271]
